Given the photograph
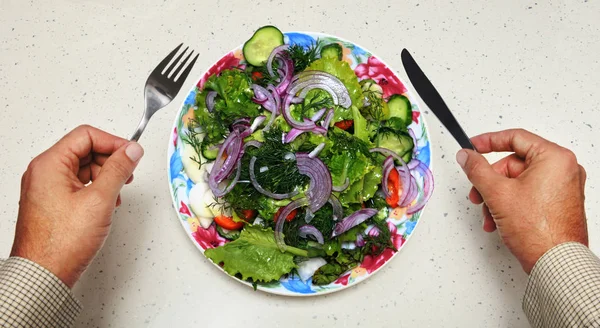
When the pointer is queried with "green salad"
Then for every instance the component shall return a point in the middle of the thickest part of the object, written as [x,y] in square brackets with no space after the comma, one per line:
[297,162]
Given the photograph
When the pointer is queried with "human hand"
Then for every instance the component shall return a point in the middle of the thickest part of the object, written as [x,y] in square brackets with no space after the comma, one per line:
[534,197]
[63,221]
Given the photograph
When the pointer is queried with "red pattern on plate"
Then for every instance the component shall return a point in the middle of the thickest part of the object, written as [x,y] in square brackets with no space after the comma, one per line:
[209,238]
[376,70]
[184,209]
[372,263]
[227,62]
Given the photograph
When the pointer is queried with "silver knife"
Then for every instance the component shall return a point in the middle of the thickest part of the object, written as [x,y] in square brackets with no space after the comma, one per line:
[433,100]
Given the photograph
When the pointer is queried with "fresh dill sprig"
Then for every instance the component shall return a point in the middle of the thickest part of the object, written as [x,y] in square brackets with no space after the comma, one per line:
[193,138]
[375,108]
[304,56]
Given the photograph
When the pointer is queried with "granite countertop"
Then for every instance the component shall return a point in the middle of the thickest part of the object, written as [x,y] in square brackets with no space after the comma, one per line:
[499,64]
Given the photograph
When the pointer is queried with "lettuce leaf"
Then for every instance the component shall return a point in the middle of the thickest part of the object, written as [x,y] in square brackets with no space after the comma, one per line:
[254,255]
[234,100]
[363,189]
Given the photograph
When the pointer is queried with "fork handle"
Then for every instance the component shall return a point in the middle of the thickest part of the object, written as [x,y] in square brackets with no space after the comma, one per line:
[138,131]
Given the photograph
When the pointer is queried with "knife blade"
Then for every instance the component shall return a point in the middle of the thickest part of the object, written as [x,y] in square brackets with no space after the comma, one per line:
[434,101]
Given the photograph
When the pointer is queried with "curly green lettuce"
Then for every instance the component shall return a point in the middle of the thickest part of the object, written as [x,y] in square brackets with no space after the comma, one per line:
[255,255]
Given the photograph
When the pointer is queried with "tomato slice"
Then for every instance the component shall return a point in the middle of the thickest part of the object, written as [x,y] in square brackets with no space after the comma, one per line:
[290,216]
[344,125]
[249,215]
[393,188]
[257,76]
[226,222]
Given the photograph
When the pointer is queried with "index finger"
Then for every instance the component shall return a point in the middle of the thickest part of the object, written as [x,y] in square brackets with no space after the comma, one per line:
[85,139]
[522,142]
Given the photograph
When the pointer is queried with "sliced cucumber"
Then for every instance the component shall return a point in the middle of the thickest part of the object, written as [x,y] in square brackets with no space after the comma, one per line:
[228,234]
[209,152]
[261,44]
[400,107]
[333,50]
[400,143]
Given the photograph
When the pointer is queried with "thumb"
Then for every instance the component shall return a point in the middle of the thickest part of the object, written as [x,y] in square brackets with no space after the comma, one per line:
[481,174]
[118,168]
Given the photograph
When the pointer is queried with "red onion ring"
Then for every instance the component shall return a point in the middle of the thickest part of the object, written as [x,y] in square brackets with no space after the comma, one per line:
[276,52]
[411,193]
[319,188]
[286,78]
[262,190]
[253,143]
[287,114]
[281,221]
[317,116]
[222,168]
[388,166]
[428,183]
[404,174]
[217,191]
[353,220]
[327,119]
[309,80]
[307,230]
[294,133]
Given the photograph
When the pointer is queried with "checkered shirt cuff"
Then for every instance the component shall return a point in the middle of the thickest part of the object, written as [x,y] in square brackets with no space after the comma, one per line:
[564,288]
[31,296]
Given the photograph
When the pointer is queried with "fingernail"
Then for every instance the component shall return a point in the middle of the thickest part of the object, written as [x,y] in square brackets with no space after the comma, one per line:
[134,151]
[461,158]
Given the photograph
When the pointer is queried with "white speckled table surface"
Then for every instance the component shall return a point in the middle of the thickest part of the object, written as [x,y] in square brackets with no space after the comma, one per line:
[499,64]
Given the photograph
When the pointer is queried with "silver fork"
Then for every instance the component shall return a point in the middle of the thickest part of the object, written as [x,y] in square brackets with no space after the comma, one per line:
[163,84]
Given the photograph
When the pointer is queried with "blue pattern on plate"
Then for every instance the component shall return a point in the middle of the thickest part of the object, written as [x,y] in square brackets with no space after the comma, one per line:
[294,284]
[190,184]
[358,51]
[191,98]
[424,154]
[410,226]
[300,39]
[176,165]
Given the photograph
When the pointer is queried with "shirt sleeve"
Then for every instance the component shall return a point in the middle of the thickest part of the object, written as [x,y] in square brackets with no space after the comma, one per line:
[564,288]
[31,296]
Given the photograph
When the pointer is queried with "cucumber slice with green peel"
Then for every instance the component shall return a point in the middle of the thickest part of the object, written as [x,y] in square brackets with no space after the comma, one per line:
[400,107]
[332,50]
[228,234]
[209,151]
[400,143]
[258,48]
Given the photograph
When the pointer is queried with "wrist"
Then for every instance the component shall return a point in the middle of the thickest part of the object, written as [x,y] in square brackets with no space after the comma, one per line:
[62,271]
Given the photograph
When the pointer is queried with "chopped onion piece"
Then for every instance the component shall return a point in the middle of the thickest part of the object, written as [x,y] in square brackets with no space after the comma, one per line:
[338,210]
[210,100]
[342,187]
[317,150]
[306,269]
[353,220]
[307,230]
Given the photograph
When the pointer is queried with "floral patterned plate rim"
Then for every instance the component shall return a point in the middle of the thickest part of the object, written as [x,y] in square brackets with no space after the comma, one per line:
[402,226]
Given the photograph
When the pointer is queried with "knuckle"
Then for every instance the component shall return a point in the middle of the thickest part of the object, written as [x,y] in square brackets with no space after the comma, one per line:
[583,172]
[83,127]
